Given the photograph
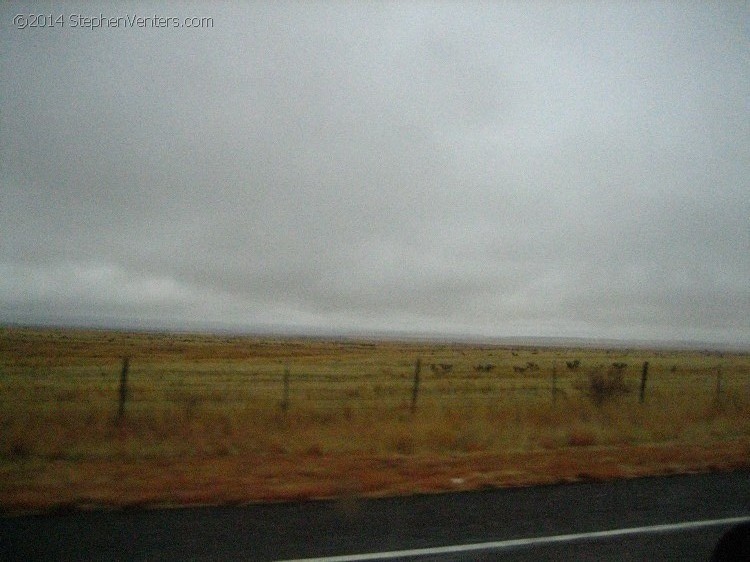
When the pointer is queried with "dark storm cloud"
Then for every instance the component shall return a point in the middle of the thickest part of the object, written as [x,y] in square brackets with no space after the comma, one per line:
[555,169]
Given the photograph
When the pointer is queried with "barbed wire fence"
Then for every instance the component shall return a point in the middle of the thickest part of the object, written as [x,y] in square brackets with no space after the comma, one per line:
[146,386]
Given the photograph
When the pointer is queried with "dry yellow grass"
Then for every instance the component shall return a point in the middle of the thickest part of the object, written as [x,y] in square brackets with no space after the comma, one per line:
[204,420]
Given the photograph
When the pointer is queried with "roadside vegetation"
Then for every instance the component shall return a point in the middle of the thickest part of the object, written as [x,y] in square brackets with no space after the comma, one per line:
[233,419]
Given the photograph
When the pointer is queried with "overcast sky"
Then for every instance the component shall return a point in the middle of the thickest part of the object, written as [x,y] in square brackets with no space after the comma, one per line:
[563,169]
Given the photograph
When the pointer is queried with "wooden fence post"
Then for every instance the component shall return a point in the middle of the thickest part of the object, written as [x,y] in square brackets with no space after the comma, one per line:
[718,383]
[285,398]
[123,388]
[415,389]
[554,382]
[644,376]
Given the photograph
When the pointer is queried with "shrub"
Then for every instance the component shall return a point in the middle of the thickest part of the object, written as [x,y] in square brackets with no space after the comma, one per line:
[603,387]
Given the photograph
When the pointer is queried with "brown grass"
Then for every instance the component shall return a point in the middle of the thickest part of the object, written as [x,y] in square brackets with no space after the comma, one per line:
[204,422]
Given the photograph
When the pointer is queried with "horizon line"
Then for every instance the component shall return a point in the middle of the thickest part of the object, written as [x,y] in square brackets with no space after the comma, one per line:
[407,336]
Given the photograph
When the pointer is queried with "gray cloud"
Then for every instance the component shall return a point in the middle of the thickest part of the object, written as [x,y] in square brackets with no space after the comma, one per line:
[501,169]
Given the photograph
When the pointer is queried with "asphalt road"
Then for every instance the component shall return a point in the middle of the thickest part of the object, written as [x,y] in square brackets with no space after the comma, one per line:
[564,522]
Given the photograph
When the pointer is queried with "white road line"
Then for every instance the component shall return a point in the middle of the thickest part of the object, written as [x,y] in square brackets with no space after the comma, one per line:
[498,545]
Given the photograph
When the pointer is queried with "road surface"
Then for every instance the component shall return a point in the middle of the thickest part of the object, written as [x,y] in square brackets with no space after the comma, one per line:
[667,518]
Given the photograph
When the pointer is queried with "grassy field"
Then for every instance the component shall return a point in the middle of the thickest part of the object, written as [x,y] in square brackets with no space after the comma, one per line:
[239,419]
